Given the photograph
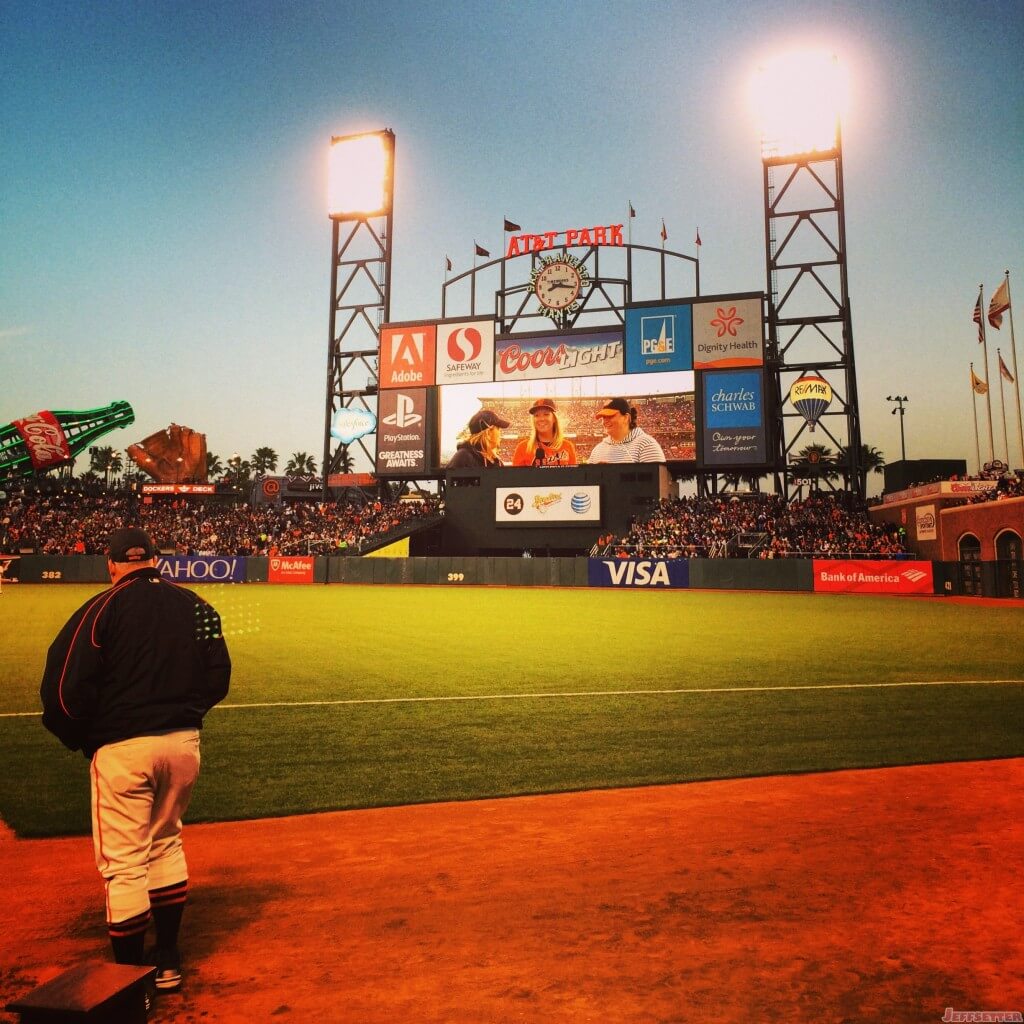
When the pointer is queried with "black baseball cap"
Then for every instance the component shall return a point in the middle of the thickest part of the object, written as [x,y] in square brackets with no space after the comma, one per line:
[615,405]
[130,544]
[485,418]
[542,403]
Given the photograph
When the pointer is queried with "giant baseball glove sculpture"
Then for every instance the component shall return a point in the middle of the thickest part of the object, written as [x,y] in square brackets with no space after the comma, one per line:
[176,455]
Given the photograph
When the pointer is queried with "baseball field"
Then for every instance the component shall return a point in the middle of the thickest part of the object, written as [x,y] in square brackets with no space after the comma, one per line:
[494,805]
[355,697]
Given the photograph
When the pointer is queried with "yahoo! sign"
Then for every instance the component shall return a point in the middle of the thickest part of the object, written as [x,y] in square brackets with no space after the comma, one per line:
[201,569]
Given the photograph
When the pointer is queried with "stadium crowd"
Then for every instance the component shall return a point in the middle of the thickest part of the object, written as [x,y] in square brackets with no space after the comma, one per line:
[74,519]
[758,526]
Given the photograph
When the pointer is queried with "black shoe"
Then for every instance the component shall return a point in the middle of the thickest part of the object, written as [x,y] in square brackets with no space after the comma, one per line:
[168,970]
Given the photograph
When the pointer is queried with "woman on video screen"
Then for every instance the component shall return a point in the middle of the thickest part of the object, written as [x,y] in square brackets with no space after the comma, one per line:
[481,449]
[624,441]
[546,445]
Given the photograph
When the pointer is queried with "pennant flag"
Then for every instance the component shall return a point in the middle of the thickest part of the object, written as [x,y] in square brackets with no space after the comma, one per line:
[980,387]
[510,226]
[448,263]
[698,237]
[664,233]
[480,250]
[999,305]
[977,319]
[1004,371]
[632,212]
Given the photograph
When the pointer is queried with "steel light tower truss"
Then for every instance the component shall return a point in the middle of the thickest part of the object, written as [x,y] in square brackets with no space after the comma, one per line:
[809,326]
[360,302]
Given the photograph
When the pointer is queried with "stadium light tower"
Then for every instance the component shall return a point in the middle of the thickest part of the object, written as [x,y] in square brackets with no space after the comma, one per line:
[360,197]
[799,98]
[900,401]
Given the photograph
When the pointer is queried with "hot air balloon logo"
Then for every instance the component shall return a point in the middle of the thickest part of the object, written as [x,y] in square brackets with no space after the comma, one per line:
[811,395]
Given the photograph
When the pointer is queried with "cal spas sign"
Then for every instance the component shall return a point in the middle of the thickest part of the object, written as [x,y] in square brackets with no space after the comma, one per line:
[652,573]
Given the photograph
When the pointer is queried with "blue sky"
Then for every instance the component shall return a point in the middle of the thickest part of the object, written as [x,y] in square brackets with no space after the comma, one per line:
[164,236]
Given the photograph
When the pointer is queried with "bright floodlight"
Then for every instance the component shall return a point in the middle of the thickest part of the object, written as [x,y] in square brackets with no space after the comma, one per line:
[799,97]
[359,175]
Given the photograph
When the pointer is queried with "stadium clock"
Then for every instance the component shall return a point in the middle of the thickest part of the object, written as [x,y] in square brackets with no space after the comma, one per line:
[558,282]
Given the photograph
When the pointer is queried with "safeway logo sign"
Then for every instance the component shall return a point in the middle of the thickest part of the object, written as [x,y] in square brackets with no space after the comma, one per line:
[873,577]
[465,352]
[403,416]
[407,356]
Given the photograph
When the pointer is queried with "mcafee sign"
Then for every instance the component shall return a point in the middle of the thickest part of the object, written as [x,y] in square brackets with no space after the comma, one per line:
[290,569]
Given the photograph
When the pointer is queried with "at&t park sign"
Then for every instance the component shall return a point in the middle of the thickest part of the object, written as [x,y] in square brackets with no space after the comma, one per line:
[519,245]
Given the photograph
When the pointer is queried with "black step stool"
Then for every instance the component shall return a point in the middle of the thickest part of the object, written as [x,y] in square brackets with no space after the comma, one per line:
[100,993]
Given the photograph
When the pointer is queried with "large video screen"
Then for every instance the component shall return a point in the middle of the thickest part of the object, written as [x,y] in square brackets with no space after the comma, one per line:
[664,404]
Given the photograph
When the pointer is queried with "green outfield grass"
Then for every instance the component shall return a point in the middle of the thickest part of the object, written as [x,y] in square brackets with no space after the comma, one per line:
[383,645]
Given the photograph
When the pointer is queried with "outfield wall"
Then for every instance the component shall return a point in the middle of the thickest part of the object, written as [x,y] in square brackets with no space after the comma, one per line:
[981,579]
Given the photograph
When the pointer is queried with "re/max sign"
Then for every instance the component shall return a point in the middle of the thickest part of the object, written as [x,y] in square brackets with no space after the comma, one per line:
[603,235]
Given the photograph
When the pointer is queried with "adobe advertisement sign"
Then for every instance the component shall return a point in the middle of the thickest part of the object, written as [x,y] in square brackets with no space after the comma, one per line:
[669,573]
[290,569]
[407,356]
[732,418]
[728,333]
[873,577]
[402,431]
[465,352]
[659,339]
[533,506]
[558,356]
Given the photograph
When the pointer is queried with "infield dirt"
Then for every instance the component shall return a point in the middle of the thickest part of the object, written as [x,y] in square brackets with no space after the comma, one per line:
[855,896]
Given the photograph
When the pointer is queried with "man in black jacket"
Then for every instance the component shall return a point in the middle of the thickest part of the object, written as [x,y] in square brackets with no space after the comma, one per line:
[128,681]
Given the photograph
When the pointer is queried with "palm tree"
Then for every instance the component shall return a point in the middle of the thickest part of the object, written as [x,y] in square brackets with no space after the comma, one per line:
[263,461]
[239,471]
[116,464]
[345,463]
[214,467]
[301,464]
[816,462]
[100,457]
[871,461]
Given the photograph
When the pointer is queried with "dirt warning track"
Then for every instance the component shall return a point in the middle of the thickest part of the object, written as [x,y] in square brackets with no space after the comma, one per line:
[855,896]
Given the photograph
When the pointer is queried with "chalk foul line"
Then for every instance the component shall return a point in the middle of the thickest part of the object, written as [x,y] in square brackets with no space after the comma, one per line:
[450,698]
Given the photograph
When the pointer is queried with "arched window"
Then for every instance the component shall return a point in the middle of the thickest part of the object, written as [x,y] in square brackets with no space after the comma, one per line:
[1008,546]
[970,548]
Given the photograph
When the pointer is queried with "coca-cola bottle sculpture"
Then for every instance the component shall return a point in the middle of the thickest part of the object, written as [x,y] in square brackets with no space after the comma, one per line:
[46,440]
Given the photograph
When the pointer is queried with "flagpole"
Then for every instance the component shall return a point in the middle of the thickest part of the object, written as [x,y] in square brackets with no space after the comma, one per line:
[629,223]
[1016,374]
[988,377]
[974,402]
[1002,403]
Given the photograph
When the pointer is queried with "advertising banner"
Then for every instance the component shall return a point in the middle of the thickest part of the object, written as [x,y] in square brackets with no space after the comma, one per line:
[927,524]
[629,572]
[402,434]
[873,577]
[9,569]
[179,488]
[733,418]
[201,569]
[728,333]
[543,506]
[290,569]
[407,356]
[558,356]
[465,352]
[659,338]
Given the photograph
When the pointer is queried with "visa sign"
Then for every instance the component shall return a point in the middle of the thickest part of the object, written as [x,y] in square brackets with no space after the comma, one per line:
[629,572]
